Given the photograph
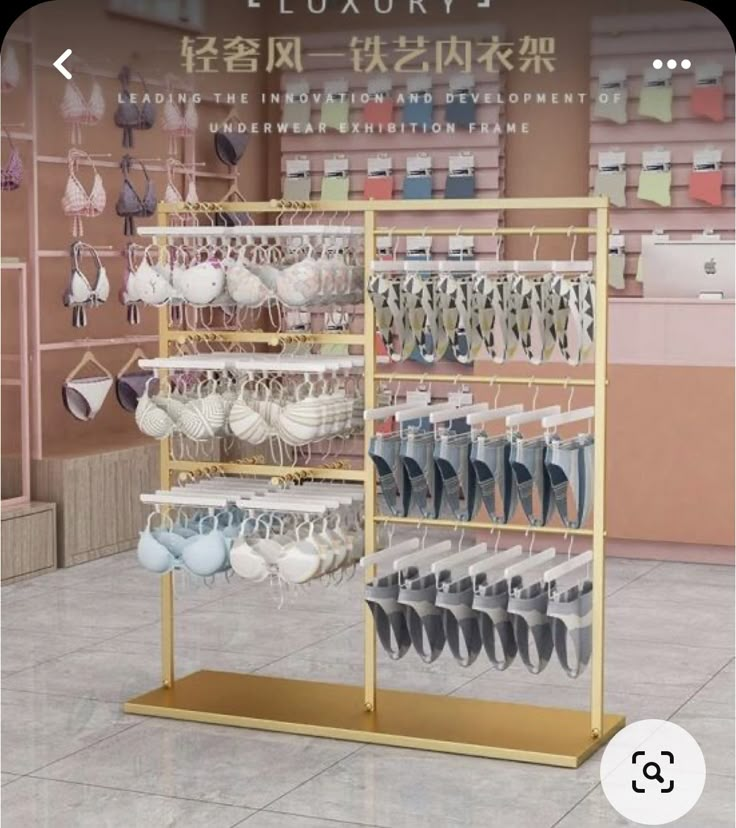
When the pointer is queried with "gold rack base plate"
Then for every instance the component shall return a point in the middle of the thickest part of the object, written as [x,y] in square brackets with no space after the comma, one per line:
[448,724]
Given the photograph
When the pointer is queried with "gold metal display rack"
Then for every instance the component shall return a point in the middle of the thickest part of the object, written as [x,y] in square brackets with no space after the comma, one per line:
[449,724]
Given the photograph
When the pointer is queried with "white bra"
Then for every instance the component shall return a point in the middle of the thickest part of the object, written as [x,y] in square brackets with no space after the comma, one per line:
[80,291]
[244,286]
[146,283]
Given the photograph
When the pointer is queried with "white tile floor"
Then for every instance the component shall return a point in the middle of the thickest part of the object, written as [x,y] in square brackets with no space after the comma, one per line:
[76,643]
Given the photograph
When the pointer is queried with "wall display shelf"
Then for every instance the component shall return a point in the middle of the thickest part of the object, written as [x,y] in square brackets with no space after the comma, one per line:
[551,736]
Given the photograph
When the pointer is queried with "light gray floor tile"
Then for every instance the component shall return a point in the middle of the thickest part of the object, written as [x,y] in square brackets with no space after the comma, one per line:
[5,778]
[406,789]
[262,632]
[38,729]
[214,764]
[695,573]
[20,591]
[655,621]
[22,649]
[108,674]
[42,803]
[76,612]
[271,819]
[721,687]
[676,592]
[623,571]
[711,724]
[715,809]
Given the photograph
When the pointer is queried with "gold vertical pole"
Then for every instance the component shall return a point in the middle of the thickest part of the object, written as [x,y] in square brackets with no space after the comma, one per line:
[167,580]
[599,501]
[370,482]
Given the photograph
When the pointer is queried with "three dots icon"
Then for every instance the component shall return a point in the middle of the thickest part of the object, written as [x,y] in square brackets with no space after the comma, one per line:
[672,63]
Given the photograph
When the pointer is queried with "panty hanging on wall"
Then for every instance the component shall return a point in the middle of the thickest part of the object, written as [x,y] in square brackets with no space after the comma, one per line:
[297,106]
[655,98]
[83,397]
[617,261]
[706,177]
[336,180]
[612,98]
[298,180]
[610,178]
[461,108]
[379,183]
[380,110]
[461,176]
[707,99]
[336,107]
[418,181]
[655,180]
[419,103]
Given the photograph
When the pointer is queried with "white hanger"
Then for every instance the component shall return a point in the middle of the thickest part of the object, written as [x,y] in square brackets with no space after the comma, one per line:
[494,414]
[531,416]
[456,413]
[418,412]
[280,506]
[583,559]
[494,561]
[463,557]
[171,499]
[427,553]
[569,417]
[531,562]
[389,554]
[385,411]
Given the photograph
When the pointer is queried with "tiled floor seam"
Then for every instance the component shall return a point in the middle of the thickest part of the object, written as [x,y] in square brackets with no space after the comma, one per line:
[651,569]
[35,775]
[314,776]
[81,749]
[702,687]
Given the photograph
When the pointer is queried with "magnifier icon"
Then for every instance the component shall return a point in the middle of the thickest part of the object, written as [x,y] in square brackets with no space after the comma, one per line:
[657,772]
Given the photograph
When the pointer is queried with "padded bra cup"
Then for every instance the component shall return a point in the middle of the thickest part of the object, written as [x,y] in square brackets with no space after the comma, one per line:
[129,389]
[230,147]
[202,555]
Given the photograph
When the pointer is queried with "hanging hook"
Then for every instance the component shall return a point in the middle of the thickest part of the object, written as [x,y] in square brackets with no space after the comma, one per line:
[532,232]
[574,242]
[536,392]
[572,394]
[498,391]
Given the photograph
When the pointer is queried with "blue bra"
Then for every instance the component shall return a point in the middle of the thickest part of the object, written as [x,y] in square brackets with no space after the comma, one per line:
[203,554]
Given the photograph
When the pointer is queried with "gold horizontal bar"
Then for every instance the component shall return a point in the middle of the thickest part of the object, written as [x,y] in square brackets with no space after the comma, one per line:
[494,231]
[273,338]
[482,525]
[476,380]
[315,473]
[473,205]
[450,724]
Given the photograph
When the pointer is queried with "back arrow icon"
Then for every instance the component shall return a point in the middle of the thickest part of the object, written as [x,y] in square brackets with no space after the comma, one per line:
[59,64]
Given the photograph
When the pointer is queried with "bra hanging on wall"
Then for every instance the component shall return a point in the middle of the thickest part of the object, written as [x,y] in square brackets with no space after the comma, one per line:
[130,204]
[9,69]
[12,171]
[81,294]
[79,111]
[175,122]
[83,397]
[129,115]
[77,202]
